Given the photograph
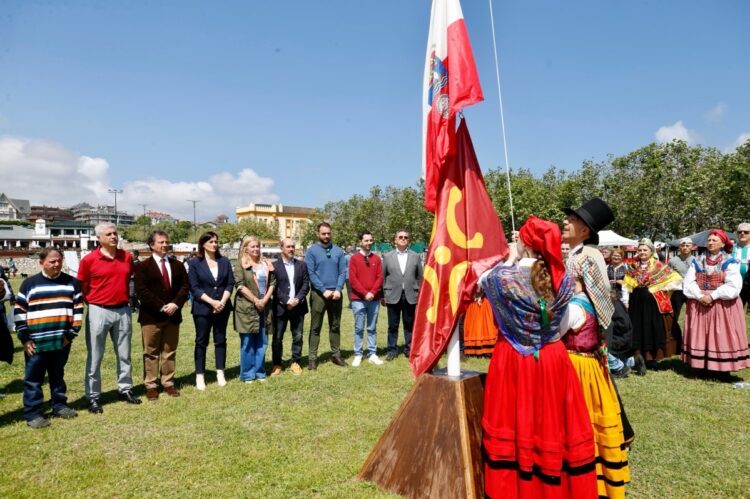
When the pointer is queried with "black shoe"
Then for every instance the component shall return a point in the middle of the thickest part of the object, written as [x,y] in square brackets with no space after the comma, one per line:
[38,422]
[639,365]
[390,357]
[94,407]
[65,413]
[336,359]
[621,373]
[312,364]
[652,364]
[128,397]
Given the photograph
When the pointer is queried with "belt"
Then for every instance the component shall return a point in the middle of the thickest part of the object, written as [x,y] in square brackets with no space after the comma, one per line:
[110,307]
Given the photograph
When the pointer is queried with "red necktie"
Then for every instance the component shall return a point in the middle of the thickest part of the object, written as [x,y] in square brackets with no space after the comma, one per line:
[165,275]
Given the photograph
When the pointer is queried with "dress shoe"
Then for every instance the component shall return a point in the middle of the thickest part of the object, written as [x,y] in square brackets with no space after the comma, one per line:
[276,370]
[65,413]
[152,394]
[127,396]
[312,364]
[336,359]
[296,368]
[171,391]
[390,357]
[639,365]
[95,407]
[38,422]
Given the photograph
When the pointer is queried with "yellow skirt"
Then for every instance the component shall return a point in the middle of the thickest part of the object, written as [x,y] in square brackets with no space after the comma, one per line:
[612,468]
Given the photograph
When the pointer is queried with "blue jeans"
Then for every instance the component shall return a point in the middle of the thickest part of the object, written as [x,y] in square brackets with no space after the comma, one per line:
[253,353]
[614,363]
[365,310]
[50,363]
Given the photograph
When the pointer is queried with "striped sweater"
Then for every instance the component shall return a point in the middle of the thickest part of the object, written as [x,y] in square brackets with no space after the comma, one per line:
[47,310]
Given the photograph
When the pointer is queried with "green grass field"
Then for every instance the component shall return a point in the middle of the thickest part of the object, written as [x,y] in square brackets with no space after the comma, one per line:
[308,435]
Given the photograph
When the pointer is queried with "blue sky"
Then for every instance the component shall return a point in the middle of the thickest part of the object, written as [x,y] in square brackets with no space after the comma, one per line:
[300,102]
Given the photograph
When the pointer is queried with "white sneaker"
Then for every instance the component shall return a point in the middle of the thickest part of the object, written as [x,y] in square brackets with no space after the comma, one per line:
[200,382]
[374,359]
[357,361]
[220,379]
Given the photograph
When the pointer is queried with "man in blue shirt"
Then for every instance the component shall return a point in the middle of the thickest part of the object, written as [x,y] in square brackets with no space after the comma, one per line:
[326,267]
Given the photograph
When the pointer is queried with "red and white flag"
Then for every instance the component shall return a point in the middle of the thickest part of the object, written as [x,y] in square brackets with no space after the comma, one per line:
[451,83]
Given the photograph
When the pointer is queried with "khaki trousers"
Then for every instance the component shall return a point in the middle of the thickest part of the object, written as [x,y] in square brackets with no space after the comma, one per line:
[159,346]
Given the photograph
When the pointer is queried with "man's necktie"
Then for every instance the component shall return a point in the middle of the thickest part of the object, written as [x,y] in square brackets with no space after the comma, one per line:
[165,275]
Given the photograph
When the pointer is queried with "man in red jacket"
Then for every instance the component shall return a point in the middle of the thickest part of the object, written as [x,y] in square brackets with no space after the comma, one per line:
[366,279]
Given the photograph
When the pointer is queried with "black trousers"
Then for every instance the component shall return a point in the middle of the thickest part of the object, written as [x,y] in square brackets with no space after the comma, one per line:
[203,326]
[296,322]
[402,311]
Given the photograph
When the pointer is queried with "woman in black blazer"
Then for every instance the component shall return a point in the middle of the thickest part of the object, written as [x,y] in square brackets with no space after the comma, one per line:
[211,282]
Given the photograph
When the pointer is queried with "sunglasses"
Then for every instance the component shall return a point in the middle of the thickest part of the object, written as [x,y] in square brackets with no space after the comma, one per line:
[743,232]
[367,260]
[403,237]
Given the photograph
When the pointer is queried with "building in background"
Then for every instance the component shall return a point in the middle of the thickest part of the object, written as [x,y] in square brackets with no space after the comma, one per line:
[292,220]
[13,209]
[85,213]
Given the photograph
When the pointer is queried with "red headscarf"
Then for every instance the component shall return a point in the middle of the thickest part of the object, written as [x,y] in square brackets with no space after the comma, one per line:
[544,237]
[724,239]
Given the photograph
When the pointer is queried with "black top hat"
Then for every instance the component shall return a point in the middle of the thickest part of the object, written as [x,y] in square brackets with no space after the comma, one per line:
[596,214]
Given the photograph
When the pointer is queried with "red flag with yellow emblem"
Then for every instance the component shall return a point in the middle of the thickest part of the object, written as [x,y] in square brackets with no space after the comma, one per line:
[467,239]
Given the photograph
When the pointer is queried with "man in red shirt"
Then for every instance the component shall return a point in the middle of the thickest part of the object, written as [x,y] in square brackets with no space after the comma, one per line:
[105,282]
[366,279]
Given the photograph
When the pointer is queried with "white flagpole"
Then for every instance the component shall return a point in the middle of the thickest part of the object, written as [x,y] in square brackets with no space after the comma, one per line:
[454,354]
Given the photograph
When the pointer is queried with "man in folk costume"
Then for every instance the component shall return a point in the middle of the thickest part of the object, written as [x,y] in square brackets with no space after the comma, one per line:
[580,231]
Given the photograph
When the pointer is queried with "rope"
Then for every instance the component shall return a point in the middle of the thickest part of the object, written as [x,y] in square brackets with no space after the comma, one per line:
[502,119]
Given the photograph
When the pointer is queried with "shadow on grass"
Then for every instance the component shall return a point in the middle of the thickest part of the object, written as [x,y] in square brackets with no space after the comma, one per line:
[679,367]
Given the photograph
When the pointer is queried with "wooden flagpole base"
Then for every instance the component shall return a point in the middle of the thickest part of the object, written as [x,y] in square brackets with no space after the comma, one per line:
[433,446]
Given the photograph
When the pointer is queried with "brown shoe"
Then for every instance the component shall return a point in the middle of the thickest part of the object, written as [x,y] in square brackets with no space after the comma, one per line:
[336,359]
[276,370]
[172,391]
[152,394]
[296,369]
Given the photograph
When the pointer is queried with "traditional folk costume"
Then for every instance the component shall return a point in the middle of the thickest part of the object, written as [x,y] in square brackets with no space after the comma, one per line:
[480,331]
[538,438]
[649,285]
[612,430]
[587,351]
[715,335]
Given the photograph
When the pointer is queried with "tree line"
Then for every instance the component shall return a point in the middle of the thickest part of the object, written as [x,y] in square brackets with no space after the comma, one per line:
[660,191]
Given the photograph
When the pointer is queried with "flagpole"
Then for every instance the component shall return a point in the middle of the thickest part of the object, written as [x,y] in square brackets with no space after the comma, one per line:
[454,354]
[502,119]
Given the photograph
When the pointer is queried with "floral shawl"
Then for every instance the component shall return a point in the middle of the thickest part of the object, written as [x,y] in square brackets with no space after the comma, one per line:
[656,277]
[517,308]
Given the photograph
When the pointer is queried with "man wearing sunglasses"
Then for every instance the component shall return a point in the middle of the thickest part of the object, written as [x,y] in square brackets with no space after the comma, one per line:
[326,267]
[741,252]
[402,275]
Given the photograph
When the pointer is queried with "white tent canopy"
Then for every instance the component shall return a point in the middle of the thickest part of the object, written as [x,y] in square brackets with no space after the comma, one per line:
[611,238]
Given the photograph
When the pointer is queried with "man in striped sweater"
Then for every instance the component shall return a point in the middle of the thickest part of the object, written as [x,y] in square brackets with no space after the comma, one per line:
[48,314]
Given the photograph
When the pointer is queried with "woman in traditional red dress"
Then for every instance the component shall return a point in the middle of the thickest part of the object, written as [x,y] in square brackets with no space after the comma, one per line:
[715,338]
[538,438]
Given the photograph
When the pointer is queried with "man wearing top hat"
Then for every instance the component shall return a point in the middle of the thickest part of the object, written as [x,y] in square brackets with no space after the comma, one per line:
[581,231]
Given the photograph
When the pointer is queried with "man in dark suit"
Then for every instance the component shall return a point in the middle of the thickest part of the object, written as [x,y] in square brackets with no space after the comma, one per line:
[161,285]
[290,305]
[402,275]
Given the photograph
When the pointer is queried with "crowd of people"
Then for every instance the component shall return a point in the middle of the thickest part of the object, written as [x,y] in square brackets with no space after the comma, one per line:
[566,319]
[269,296]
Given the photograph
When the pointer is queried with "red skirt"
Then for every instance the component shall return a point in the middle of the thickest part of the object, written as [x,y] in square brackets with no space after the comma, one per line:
[538,439]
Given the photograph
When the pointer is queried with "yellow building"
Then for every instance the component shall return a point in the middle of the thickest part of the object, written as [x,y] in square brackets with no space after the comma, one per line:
[292,220]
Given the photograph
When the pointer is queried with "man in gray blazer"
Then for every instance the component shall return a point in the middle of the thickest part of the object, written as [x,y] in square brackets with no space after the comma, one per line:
[402,275]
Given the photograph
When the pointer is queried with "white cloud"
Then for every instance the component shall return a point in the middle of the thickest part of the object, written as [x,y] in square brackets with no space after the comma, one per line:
[716,113]
[741,139]
[45,172]
[677,131]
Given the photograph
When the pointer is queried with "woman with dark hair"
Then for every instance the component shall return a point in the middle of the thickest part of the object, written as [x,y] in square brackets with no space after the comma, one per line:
[211,283]
[715,334]
[649,283]
[538,438]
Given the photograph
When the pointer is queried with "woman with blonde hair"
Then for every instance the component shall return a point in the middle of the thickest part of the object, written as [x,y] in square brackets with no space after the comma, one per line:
[253,318]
